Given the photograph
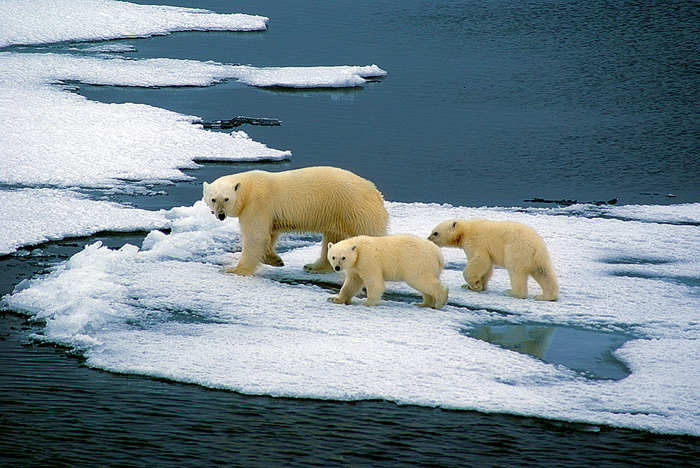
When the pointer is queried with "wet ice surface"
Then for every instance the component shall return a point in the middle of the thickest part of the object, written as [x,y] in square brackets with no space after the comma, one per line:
[167,310]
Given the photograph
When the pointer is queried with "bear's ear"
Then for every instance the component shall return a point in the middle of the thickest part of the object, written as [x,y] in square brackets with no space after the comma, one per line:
[454,224]
[205,185]
[354,247]
[236,187]
[330,244]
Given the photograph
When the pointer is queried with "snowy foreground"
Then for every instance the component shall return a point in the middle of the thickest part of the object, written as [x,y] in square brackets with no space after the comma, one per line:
[165,308]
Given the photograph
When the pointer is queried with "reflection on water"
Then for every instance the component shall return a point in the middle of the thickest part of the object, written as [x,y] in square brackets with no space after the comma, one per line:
[585,351]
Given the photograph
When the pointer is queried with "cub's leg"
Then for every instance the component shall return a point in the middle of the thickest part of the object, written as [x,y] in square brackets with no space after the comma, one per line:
[518,284]
[375,289]
[440,296]
[477,273]
[548,282]
[434,293]
[350,288]
[428,301]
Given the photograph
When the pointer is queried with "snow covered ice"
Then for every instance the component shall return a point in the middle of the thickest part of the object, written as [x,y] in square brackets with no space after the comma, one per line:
[165,308]
[34,216]
[90,20]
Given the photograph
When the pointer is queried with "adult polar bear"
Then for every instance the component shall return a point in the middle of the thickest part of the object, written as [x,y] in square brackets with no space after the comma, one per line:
[329,200]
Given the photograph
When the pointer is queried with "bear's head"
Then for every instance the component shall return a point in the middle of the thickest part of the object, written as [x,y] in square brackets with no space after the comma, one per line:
[446,234]
[220,197]
[342,255]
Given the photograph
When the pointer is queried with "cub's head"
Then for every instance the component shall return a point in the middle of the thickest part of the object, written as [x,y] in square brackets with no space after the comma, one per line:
[220,197]
[342,255]
[446,234]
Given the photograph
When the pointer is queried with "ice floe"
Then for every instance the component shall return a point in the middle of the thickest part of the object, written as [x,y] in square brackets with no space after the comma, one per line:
[54,137]
[167,310]
[33,216]
[46,21]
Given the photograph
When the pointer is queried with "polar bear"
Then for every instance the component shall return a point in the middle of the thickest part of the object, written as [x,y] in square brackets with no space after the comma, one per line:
[332,201]
[512,245]
[372,260]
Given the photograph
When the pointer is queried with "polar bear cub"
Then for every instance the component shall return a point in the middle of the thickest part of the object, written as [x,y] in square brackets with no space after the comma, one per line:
[373,260]
[512,245]
[328,200]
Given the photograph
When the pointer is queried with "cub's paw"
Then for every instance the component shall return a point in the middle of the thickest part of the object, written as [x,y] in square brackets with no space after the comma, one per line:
[239,271]
[337,300]
[509,292]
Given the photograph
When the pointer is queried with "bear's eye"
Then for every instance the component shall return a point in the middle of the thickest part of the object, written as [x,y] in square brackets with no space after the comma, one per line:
[332,258]
[213,200]
[435,234]
[226,199]
[343,258]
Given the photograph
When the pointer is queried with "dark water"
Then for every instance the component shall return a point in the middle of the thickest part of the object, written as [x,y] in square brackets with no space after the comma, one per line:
[54,412]
[486,103]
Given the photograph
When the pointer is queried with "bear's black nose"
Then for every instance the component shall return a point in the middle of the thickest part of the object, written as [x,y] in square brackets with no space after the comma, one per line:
[222,216]
[337,268]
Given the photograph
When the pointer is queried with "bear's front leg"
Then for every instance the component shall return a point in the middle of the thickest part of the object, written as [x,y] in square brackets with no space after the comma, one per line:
[253,253]
[351,286]
[375,289]
[477,272]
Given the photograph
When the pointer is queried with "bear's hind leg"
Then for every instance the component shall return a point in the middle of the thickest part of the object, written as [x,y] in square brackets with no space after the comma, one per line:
[434,294]
[322,265]
[428,301]
[548,282]
[271,257]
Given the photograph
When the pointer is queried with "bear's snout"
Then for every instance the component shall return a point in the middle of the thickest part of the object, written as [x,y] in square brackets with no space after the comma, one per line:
[337,268]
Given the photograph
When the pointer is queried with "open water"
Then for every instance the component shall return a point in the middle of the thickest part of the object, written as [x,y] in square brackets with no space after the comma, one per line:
[485,103]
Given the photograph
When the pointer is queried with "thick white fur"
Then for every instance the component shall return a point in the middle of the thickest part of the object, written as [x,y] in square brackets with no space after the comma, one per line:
[512,245]
[373,260]
[328,200]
